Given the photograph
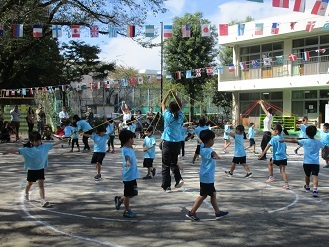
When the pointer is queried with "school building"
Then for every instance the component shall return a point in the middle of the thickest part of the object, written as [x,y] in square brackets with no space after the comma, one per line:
[283,60]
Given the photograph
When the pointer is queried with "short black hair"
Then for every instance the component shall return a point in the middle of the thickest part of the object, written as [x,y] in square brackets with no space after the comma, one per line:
[311,131]
[125,135]
[76,118]
[101,128]
[34,136]
[251,124]
[278,127]
[240,128]
[326,125]
[207,135]
[202,122]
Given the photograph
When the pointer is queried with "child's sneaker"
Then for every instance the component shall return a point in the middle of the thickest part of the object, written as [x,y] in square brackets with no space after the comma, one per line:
[286,187]
[44,203]
[326,166]
[26,197]
[220,215]
[129,214]
[179,184]
[118,202]
[315,193]
[112,152]
[306,189]
[228,173]
[147,177]
[154,172]
[296,151]
[270,179]
[168,190]
[98,177]
[249,175]
[191,216]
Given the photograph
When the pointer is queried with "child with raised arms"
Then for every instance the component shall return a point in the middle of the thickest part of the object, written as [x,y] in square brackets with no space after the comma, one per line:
[100,139]
[149,152]
[239,152]
[311,162]
[35,162]
[207,176]
[279,155]
[129,173]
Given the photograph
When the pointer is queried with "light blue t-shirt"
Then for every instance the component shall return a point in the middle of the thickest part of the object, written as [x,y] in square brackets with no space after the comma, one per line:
[83,125]
[132,127]
[302,133]
[227,129]
[110,128]
[172,126]
[207,167]
[99,142]
[239,150]
[324,137]
[183,133]
[149,141]
[75,132]
[251,133]
[68,130]
[198,130]
[311,150]
[279,148]
[131,172]
[36,158]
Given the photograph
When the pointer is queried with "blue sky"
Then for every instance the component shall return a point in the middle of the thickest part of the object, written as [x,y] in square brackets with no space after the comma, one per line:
[126,52]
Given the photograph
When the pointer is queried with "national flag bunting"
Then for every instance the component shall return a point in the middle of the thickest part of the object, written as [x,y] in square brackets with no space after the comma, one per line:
[275,28]
[149,31]
[320,51]
[149,78]
[258,1]
[124,82]
[198,72]
[130,31]
[320,7]
[188,74]
[243,65]
[132,81]
[140,80]
[299,5]
[1,30]
[92,86]
[326,26]
[292,25]
[18,30]
[259,28]
[267,61]
[94,31]
[75,31]
[178,75]
[158,77]
[231,68]
[255,63]
[209,71]
[37,31]
[279,59]
[310,26]
[167,31]
[241,27]
[280,3]
[306,55]
[292,57]
[223,29]
[186,31]
[205,30]
[56,31]
[113,31]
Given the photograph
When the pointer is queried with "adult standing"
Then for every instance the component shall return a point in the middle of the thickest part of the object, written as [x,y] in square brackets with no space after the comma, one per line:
[267,134]
[173,120]
[30,119]
[150,116]
[86,128]
[63,115]
[89,116]
[125,112]
[15,119]
[41,119]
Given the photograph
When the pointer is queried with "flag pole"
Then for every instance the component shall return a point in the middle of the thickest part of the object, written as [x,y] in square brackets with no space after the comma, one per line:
[161,66]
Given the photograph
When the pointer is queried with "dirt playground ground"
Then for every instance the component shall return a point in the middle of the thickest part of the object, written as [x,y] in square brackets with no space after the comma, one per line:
[82,212]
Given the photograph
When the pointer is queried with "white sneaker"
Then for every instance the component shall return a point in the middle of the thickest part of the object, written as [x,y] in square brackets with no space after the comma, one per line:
[179,184]
[44,203]
[26,197]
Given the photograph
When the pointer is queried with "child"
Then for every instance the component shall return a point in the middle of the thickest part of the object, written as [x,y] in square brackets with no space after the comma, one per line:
[110,130]
[149,149]
[239,152]
[227,131]
[60,131]
[202,126]
[35,162]
[311,162]
[132,126]
[302,133]
[251,135]
[325,141]
[279,155]
[99,139]
[207,176]
[75,136]
[129,173]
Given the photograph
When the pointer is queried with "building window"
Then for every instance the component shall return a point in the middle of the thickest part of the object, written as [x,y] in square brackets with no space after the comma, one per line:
[324,94]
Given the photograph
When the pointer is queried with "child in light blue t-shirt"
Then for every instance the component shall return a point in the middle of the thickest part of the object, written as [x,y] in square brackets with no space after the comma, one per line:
[324,133]
[75,136]
[251,135]
[110,130]
[129,173]
[239,151]
[149,152]
[227,131]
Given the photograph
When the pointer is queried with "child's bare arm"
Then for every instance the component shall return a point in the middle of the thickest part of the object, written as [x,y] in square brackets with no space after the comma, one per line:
[86,135]
[214,155]
[10,151]
[127,160]
[265,150]
[289,140]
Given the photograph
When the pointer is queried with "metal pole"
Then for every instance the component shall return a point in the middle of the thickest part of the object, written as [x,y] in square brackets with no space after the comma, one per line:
[161,68]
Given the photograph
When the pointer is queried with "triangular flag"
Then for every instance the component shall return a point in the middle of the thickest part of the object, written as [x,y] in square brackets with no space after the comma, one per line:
[158,77]
[205,30]
[310,26]
[186,31]
[299,5]
[241,27]
[320,7]
[279,59]
[320,51]
[92,87]
[75,31]
[168,77]
[149,79]
[133,81]
[280,3]
[243,65]
[56,31]
[178,75]
[149,31]
[255,63]
[113,31]
[130,31]
[23,91]
[167,31]
[98,85]
[94,31]
[209,71]
[18,30]
[267,61]
[37,31]
[223,29]
[198,72]
[124,82]
[259,28]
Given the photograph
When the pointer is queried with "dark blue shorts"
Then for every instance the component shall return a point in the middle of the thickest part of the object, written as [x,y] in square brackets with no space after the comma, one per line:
[130,188]
[239,160]
[97,158]
[34,175]
[207,189]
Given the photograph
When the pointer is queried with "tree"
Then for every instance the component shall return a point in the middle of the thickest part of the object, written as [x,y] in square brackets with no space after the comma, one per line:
[181,54]
[17,68]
